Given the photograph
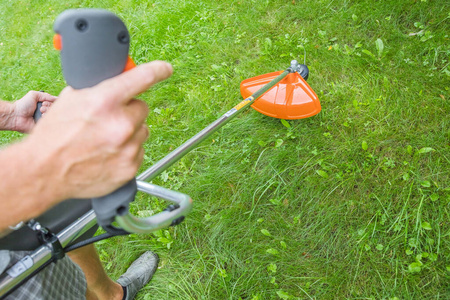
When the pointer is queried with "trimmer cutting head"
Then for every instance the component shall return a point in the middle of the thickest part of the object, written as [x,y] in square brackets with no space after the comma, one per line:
[290,99]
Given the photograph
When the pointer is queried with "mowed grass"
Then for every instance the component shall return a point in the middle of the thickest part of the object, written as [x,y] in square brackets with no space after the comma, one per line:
[350,204]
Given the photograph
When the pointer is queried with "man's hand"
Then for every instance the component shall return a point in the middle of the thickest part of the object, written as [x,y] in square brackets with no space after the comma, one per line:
[21,118]
[88,145]
[92,138]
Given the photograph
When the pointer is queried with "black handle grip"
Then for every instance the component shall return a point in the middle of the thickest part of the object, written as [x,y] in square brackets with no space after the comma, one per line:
[37,113]
[108,207]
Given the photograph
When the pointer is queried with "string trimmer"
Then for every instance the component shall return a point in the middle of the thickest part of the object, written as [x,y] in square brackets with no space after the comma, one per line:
[94,46]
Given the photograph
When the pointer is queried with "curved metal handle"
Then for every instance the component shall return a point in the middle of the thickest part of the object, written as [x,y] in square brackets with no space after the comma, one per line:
[171,216]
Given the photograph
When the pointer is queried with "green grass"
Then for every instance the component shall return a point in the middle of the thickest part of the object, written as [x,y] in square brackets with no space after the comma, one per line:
[350,204]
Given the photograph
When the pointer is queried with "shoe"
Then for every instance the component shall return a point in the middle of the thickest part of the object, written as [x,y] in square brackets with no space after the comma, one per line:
[138,274]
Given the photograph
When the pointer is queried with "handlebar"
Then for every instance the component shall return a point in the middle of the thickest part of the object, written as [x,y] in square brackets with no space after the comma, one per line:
[115,207]
[171,216]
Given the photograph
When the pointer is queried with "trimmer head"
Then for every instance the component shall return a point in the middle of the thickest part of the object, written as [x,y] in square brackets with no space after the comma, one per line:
[290,99]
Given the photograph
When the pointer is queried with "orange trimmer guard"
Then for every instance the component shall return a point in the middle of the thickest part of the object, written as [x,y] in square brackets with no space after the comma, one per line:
[290,99]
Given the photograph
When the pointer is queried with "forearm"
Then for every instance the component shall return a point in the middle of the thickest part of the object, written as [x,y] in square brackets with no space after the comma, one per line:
[25,185]
[6,115]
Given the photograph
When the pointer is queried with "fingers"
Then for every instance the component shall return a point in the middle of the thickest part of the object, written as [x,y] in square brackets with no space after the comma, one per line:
[137,111]
[136,145]
[45,97]
[46,100]
[141,135]
[135,81]
[45,107]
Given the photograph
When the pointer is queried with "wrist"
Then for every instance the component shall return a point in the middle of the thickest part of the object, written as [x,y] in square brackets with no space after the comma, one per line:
[26,186]
[44,163]
[7,115]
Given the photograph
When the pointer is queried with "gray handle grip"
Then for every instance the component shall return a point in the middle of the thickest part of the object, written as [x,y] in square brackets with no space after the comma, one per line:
[94,47]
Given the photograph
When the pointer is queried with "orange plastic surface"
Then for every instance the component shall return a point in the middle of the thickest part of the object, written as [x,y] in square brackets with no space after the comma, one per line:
[57,42]
[129,65]
[292,98]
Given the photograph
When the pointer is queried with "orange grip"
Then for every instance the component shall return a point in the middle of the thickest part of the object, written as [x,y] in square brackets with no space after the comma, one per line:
[129,65]
[57,42]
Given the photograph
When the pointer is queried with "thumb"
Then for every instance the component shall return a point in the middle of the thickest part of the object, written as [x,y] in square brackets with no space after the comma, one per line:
[44,97]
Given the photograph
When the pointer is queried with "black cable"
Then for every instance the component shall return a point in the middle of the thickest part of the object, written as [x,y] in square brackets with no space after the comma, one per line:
[112,231]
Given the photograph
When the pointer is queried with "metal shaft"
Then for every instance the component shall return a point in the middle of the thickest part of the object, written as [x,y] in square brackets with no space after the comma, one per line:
[15,274]
[185,148]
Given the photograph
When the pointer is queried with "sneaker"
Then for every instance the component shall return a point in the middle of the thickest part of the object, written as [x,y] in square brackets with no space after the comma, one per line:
[138,274]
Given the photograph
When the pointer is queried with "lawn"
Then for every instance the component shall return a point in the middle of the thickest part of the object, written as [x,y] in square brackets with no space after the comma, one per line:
[353,203]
